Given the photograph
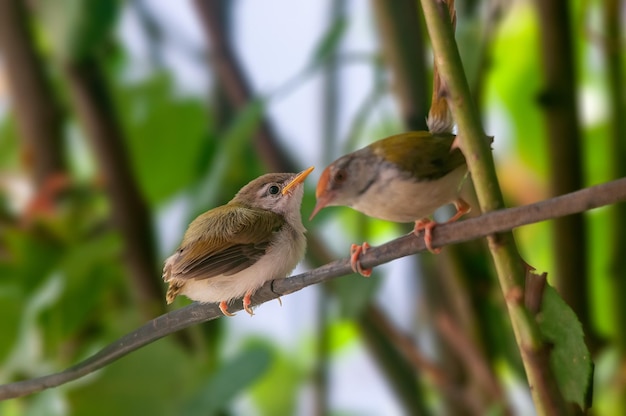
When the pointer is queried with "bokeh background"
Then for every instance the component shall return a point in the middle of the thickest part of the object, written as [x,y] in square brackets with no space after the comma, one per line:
[120,121]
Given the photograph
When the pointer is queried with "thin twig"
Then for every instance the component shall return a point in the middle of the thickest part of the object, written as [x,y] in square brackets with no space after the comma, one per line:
[471,356]
[482,226]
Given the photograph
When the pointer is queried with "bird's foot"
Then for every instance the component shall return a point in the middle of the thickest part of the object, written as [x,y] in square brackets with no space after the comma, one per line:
[427,225]
[355,263]
[462,208]
[246,304]
[224,309]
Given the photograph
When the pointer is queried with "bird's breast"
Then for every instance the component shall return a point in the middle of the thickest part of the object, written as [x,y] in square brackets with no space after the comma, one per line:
[394,197]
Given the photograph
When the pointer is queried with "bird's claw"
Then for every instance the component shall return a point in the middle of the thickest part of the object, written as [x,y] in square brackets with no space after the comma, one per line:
[355,252]
[427,225]
[224,308]
[246,304]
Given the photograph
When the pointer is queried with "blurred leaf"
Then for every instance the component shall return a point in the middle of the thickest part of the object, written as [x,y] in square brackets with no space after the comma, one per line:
[230,380]
[355,293]
[329,43]
[276,393]
[231,154]
[9,140]
[515,82]
[12,304]
[23,248]
[570,358]
[152,381]
[342,334]
[605,319]
[25,356]
[76,28]
[166,136]
[88,270]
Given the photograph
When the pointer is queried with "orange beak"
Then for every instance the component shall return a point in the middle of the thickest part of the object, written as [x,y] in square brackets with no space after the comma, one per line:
[298,179]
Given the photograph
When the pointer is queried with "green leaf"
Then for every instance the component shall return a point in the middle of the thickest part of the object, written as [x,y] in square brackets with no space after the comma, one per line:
[88,274]
[355,292]
[230,380]
[167,135]
[276,393]
[232,151]
[570,358]
[9,140]
[329,43]
[76,28]
[153,381]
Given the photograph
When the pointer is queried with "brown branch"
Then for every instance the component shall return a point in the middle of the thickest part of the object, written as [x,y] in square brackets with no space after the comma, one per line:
[421,365]
[474,362]
[131,214]
[471,229]
[533,292]
[38,114]
[401,29]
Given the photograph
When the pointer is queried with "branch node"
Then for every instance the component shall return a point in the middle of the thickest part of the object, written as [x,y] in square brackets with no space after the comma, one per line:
[535,285]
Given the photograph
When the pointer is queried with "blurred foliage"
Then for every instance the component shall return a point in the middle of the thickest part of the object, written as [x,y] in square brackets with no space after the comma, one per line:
[569,354]
[65,292]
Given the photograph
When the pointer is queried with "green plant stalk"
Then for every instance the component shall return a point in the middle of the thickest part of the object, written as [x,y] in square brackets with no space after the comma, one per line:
[509,266]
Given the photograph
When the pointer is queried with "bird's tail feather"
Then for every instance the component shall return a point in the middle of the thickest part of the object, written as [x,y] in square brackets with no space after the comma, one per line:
[439,116]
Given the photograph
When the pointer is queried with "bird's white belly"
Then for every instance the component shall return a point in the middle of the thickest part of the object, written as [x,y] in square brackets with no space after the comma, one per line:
[275,264]
[397,199]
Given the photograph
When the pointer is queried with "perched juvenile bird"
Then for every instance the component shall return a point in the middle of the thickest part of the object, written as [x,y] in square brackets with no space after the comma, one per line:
[232,250]
[401,178]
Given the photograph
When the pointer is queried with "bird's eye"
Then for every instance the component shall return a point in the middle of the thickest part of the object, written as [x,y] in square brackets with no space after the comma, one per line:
[273,190]
[340,176]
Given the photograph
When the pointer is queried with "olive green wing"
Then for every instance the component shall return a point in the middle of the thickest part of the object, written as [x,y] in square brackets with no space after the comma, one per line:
[424,155]
[224,241]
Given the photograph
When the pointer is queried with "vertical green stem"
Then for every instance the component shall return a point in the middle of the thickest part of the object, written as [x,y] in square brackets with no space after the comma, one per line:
[509,267]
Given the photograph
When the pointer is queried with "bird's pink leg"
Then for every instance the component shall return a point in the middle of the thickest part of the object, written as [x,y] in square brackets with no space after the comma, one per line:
[355,263]
[462,208]
[246,303]
[427,224]
[224,308]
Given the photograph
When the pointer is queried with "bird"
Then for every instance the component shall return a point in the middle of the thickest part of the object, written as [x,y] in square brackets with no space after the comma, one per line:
[230,251]
[401,178]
